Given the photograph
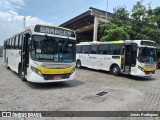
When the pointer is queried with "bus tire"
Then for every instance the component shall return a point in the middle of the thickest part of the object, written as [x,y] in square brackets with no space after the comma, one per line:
[20,73]
[115,70]
[7,64]
[78,64]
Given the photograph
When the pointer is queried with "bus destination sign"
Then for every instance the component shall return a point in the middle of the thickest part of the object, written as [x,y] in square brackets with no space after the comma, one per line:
[54,31]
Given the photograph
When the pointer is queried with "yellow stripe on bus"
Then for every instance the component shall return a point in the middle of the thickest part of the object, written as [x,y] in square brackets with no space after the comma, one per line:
[149,68]
[55,70]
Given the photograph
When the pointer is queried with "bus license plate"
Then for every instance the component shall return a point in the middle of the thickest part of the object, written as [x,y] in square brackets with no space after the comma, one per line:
[57,77]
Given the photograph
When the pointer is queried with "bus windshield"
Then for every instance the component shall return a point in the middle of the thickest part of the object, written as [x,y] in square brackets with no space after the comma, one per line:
[147,55]
[52,48]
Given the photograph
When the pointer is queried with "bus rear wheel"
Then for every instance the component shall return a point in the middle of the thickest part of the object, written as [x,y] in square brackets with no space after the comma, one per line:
[115,70]
[78,64]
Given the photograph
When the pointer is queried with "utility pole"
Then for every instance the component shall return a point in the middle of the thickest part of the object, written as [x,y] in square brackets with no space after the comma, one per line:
[106,11]
[24,22]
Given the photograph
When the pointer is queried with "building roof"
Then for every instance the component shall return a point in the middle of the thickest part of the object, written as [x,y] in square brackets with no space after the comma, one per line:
[85,19]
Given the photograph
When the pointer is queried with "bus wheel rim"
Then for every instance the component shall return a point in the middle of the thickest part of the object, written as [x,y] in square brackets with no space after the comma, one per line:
[115,70]
[78,64]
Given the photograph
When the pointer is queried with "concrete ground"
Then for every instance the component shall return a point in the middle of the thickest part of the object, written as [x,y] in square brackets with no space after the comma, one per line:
[122,93]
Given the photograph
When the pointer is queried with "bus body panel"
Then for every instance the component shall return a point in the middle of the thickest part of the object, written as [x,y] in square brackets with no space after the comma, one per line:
[14,58]
[99,62]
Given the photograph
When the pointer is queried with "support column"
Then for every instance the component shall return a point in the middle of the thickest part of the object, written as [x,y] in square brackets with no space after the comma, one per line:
[95,32]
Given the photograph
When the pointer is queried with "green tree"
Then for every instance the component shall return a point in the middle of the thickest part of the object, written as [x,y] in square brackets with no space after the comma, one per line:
[114,33]
[142,23]
[156,13]
[115,30]
[156,19]
[138,21]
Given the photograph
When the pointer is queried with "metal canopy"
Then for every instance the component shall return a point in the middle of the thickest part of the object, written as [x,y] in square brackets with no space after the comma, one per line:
[87,22]
[86,19]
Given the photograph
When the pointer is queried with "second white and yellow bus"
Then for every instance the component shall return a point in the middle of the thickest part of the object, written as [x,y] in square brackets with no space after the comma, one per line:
[134,57]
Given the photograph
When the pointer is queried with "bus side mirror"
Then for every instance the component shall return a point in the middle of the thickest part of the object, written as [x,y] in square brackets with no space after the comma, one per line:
[30,43]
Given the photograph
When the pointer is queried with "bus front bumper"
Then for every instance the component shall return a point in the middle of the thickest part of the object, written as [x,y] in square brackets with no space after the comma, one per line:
[144,73]
[39,79]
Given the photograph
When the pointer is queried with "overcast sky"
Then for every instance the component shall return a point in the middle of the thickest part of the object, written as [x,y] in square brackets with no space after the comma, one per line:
[53,12]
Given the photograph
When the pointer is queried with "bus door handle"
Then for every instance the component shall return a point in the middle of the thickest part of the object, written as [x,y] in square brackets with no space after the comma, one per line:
[19,52]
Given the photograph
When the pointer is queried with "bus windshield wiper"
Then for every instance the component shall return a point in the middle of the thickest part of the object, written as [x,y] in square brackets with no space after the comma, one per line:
[65,42]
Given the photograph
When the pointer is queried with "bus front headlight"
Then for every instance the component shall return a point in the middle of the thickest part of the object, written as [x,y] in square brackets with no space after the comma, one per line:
[141,68]
[36,71]
[73,70]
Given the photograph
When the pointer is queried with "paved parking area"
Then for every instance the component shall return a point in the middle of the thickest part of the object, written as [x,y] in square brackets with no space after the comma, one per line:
[122,93]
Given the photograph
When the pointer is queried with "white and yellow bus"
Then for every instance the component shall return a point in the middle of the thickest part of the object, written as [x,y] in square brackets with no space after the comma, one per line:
[134,57]
[42,54]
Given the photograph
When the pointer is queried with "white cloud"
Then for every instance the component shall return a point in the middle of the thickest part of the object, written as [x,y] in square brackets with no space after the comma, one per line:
[17,2]
[6,5]
[10,21]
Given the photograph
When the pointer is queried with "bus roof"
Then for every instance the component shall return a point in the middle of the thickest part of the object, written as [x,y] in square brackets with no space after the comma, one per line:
[32,28]
[113,42]
[45,25]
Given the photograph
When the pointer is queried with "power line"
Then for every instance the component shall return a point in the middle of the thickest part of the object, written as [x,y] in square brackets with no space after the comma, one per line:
[24,22]
[106,11]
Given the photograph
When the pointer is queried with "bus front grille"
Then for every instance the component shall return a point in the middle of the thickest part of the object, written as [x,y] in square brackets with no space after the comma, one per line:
[53,77]
[148,72]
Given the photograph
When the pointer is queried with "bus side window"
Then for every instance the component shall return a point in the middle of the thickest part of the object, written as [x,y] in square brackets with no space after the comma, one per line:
[20,42]
[10,43]
[4,44]
[103,49]
[79,49]
[86,49]
[115,49]
[94,49]
[7,44]
[16,42]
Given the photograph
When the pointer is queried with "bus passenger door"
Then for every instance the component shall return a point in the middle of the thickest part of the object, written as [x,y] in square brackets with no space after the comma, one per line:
[126,59]
[25,55]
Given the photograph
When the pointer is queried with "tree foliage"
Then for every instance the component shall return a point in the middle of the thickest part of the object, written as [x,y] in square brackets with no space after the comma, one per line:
[112,32]
[115,30]
[142,23]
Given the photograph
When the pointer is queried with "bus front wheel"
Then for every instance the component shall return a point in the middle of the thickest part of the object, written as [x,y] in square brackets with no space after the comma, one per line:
[20,73]
[7,64]
[115,70]
[78,64]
